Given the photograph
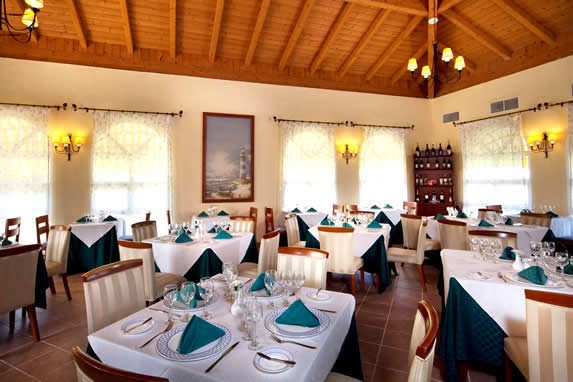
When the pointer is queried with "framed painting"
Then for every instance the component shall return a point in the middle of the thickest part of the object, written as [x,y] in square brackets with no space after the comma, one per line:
[228,158]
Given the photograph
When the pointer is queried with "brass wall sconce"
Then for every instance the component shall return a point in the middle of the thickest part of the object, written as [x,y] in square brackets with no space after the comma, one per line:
[543,146]
[67,144]
[348,152]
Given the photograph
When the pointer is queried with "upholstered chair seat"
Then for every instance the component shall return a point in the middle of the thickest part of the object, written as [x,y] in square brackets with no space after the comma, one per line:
[267,256]
[542,220]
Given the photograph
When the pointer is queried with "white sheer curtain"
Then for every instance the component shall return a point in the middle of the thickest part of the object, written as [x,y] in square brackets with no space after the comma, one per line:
[570,128]
[308,166]
[383,167]
[24,167]
[495,164]
[131,165]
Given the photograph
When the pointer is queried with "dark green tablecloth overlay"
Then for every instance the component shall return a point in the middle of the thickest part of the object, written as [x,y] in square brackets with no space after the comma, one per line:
[104,251]
[302,228]
[348,361]
[468,333]
[41,283]
[396,235]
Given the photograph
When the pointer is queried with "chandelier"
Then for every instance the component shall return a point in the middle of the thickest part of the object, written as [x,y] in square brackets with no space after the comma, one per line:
[29,19]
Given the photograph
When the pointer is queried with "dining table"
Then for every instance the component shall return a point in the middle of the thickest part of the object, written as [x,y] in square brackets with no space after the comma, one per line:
[389,215]
[562,226]
[335,339]
[93,244]
[485,302]
[305,220]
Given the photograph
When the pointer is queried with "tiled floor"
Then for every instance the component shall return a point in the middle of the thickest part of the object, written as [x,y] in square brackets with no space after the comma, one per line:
[384,326]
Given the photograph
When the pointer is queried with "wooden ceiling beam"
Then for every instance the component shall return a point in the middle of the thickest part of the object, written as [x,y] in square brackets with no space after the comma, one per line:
[412,24]
[172,28]
[216,30]
[526,20]
[336,27]
[431,83]
[447,4]
[295,34]
[403,68]
[478,34]
[391,7]
[261,17]
[126,26]
[381,17]
[22,6]
[77,21]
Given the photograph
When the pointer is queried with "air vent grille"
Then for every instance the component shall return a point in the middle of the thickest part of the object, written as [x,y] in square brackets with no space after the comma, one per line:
[451,117]
[506,104]
[496,107]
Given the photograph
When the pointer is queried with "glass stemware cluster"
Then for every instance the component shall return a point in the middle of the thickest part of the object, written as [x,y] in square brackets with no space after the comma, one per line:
[543,253]
[486,249]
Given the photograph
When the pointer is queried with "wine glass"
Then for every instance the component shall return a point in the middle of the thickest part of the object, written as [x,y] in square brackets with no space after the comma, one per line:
[187,293]
[170,296]
[562,259]
[206,290]
[496,248]
[230,275]
[254,314]
[270,283]
[474,245]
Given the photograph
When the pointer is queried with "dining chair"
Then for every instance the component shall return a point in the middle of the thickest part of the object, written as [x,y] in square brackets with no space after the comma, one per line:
[350,207]
[112,292]
[309,261]
[337,241]
[484,213]
[17,283]
[242,224]
[269,220]
[506,239]
[144,230]
[293,234]
[254,213]
[57,256]
[337,208]
[410,207]
[423,343]
[153,282]
[89,369]
[542,220]
[12,229]
[453,234]
[410,226]
[42,228]
[495,207]
[268,251]
[546,352]
[412,256]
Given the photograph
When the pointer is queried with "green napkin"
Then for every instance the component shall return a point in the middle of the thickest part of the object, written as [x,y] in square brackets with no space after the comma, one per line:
[509,221]
[259,283]
[197,334]
[296,211]
[194,301]
[83,219]
[311,209]
[374,207]
[6,242]
[181,231]
[222,213]
[298,314]
[534,274]
[388,206]
[507,254]
[109,218]
[183,238]
[346,225]
[374,224]
[222,234]
[462,215]
[203,214]
[483,223]
[212,230]
[325,221]
[568,269]
[552,214]
[439,216]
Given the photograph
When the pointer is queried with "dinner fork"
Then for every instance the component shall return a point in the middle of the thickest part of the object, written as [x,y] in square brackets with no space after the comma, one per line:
[499,275]
[281,341]
[167,328]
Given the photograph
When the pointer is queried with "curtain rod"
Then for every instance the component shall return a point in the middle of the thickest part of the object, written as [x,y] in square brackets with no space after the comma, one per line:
[57,107]
[539,106]
[345,123]
[88,109]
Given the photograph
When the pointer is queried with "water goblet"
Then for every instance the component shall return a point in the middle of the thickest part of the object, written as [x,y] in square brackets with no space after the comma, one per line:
[562,259]
[187,293]
[206,290]
[270,284]
[254,314]
[170,296]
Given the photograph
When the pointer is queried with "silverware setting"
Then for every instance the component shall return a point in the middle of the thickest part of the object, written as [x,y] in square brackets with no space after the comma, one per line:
[281,341]
[317,292]
[499,275]
[263,355]
[222,356]
[175,316]
[167,328]
[325,310]
[138,325]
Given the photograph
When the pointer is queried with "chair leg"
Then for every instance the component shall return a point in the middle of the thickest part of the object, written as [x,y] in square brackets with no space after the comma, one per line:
[353,284]
[12,320]
[362,284]
[52,286]
[23,313]
[507,365]
[66,286]
[377,278]
[392,266]
[422,277]
[33,322]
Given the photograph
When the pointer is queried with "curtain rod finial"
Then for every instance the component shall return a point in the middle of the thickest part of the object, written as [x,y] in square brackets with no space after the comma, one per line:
[275,118]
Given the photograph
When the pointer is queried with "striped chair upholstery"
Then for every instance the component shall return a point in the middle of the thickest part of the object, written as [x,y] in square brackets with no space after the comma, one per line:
[542,220]
[112,292]
[153,282]
[144,230]
[423,343]
[57,254]
[311,262]
[293,234]
[410,227]
[412,256]
[484,213]
[453,234]
[337,242]
[506,239]
[242,224]
[267,256]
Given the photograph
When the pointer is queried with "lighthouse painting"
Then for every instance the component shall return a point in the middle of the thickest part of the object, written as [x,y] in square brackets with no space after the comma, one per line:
[228,157]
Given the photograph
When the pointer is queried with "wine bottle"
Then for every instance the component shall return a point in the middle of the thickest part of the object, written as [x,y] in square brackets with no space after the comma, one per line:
[449,164]
[434,198]
[416,163]
[450,199]
[427,163]
[417,196]
[417,150]
[440,150]
[433,152]
[427,152]
[437,165]
[426,197]
[449,148]
[442,197]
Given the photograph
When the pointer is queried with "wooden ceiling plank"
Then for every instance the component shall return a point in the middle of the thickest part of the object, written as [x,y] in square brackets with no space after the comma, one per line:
[126,26]
[216,30]
[526,20]
[381,17]
[391,7]
[478,34]
[336,27]
[418,55]
[295,34]
[23,6]
[412,24]
[261,17]
[431,90]
[77,21]
[172,28]
[447,4]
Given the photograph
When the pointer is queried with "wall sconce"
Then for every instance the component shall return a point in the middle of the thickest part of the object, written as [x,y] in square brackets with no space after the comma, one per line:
[67,144]
[348,152]
[543,146]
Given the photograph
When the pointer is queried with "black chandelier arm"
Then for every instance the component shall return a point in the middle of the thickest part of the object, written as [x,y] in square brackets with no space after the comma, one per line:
[14,31]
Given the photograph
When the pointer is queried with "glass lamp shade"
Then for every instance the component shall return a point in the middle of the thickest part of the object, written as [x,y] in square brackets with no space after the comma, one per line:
[447,55]
[412,64]
[460,63]
[38,4]
[426,71]
[28,18]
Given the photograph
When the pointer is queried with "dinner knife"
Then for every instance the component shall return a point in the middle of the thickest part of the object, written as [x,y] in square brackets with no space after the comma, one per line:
[138,325]
[263,355]
[222,356]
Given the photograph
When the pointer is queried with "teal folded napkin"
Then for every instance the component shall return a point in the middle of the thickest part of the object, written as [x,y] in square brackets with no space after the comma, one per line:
[83,219]
[298,314]
[6,242]
[203,214]
[222,234]
[109,218]
[311,209]
[325,221]
[296,211]
[552,214]
[374,207]
[193,302]
[346,225]
[197,334]
[388,206]
[183,238]
[462,215]
[534,274]
[568,269]
[507,254]
[483,223]
[212,230]
[180,231]
[509,221]
[259,283]
[222,213]
[439,216]
[374,224]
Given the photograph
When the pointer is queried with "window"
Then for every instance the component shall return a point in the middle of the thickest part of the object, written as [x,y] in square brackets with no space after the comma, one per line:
[495,164]
[308,166]
[24,168]
[131,165]
[383,167]
[570,128]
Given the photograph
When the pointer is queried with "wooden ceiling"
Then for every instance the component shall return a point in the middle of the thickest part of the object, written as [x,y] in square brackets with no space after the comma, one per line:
[356,45]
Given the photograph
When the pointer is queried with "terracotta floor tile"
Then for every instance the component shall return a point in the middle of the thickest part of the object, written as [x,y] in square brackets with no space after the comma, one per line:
[66,372]
[47,363]
[400,325]
[21,354]
[370,334]
[4,367]
[393,358]
[14,375]
[368,371]
[369,318]
[400,340]
[369,352]
[389,375]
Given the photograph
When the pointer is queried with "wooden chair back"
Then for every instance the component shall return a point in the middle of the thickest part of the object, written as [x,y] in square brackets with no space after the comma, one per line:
[309,261]
[531,218]
[12,229]
[144,230]
[337,241]
[269,220]
[42,228]
[18,266]
[292,230]
[495,207]
[57,248]
[410,207]
[423,342]
[337,208]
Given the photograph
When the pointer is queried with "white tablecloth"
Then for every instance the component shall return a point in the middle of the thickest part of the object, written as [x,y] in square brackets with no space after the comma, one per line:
[122,351]
[362,238]
[392,213]
[179,258]
[312,218]
[525,233]
[503,302]
[89,233]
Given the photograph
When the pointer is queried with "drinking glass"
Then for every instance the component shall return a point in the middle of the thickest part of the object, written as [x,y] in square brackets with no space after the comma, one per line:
[206,290]
[562,259]
[230,275]
[170,296]
[496,248]
[270,284]
[551,247]
[254,314]
[246,322]
[187,293]
[474,246]
[298,281]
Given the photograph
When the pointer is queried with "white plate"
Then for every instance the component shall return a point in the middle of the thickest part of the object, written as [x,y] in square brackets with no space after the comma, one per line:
[321,296]
[168,342]
[140,329]
[295,331]
[181,307]
[479,275]
[268,366]
[551,282]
